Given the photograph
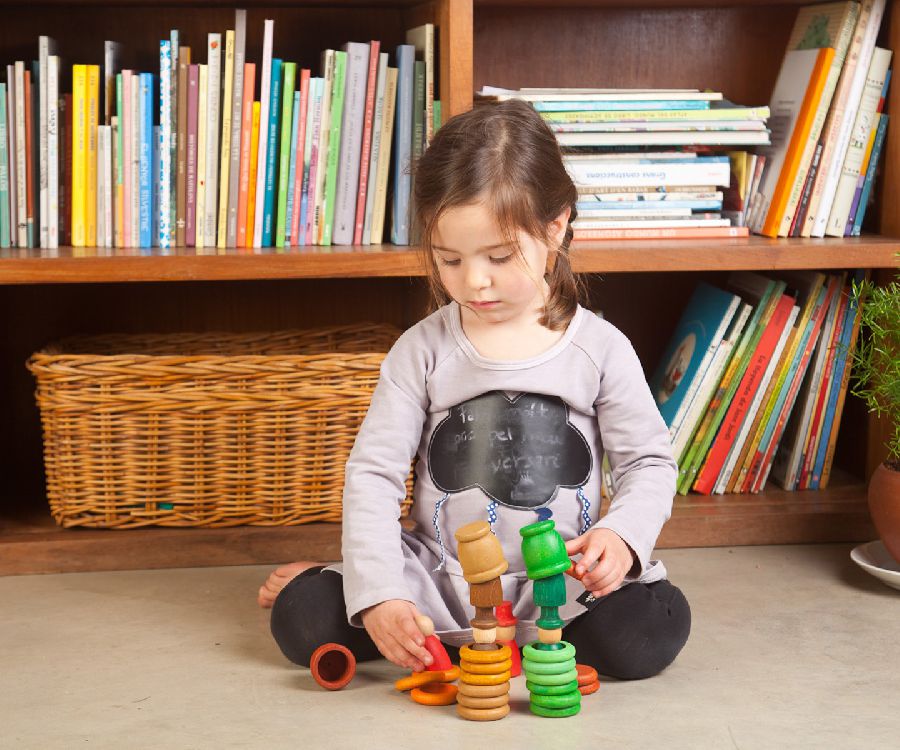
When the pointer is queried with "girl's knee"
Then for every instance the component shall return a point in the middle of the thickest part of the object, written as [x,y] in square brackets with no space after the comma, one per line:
[303,616]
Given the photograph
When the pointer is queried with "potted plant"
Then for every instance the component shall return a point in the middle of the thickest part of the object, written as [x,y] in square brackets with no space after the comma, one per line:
[876,379]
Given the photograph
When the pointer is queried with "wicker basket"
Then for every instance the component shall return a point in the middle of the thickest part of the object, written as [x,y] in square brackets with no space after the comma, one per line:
[204,429]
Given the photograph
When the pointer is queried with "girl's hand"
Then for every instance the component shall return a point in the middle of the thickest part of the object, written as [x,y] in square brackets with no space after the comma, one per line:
[392,626]
[614,559]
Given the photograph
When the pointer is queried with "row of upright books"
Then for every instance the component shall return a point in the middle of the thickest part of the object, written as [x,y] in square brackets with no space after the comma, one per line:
[224,154]
[828,123]
[754,378]
[653,162]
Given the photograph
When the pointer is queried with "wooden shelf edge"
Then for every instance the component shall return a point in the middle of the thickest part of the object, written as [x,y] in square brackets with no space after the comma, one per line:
[66,266]
[833,515]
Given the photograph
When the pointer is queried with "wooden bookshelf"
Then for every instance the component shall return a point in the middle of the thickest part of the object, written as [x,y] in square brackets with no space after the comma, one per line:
[735,46]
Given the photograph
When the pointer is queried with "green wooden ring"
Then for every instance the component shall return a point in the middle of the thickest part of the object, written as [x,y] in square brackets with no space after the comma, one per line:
[533,654]
[552,679]
[535,688]
[548,667]
[554,713]
[566,700]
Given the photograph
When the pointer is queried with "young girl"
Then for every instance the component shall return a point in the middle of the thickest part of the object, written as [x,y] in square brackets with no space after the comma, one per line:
[509,393]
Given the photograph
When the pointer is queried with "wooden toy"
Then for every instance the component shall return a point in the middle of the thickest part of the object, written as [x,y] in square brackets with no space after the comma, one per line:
[441,660]
[332,666]
[506,635]
[588,682]
[417,679]
[549,663]
[434,694]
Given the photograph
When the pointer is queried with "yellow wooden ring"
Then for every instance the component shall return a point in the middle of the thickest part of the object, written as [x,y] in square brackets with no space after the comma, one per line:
[482,714]
[484,679]
[470,702]
[434,694]
[500,666]
[483,691]
[467,653]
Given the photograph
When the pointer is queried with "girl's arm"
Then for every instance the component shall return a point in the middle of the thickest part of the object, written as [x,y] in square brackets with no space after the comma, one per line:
[637,442]
[375,483]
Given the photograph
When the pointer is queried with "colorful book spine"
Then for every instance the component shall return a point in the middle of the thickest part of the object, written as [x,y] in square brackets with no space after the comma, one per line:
[200,233]
[225,154]
[4,172]
[237,98]
[52,207]
[11,152]
[251,191]
[173,144]
[184,66]
[29,163]
[262,161]
[308,210]
[145,165]
[79,158]
[301,158]
[365,164]
[289,73]
[334,140]
[120,162]
[154,194]
[318,208]
[871,170]
[246,137]
[213,109]
[190,198]
[136,160]
[268,204]
[377,118]
[292,176]
[65,171]
[346,198]
[384,156]
[165,138]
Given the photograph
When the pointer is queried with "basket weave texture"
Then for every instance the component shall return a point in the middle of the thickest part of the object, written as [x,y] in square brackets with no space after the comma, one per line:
[211,429]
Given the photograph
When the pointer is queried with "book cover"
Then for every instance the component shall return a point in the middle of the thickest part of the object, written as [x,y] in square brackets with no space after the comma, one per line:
[237,98]
[289,74]
[65,171]
[268,204]
[11,109]
[636,172]
[29,166]
[377,134]
[301,159]
[384,156]
[252,188]
[135,136]
[422,38]
[691,348]
[200,209]
[4,173]
[292,170]
[311,192]
[318,209]
[334,140]
[213,114]
[246,145]
[145,163]
[46,47]
[262,159]
[365,165]
[190,208]
[402,152]
[352,126]
[225,152]
[52,207]
[184,64]
[871,171]
[79,158]
[165,137]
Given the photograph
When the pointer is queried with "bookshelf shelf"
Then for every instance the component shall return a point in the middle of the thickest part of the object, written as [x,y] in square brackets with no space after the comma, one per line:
[734,46]
[71,266]
[32,543]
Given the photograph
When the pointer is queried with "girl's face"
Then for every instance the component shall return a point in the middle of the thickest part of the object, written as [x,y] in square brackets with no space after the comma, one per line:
[484,274]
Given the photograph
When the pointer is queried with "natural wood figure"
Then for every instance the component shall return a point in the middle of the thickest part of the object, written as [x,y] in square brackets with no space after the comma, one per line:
[441,660]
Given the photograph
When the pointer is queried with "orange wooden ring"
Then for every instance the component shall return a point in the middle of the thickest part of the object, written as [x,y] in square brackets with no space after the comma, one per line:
[484,679]
[467,653]
[470,702]
[482,714]
[586,674]
[434,694]
[483,691]
[449,675]
[500,666]
[417,679]
[591,687]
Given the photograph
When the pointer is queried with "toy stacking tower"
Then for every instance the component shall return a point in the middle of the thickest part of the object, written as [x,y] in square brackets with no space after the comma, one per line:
[549,664]
[484,665]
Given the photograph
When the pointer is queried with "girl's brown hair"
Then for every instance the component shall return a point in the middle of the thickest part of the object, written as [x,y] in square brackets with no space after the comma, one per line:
[506,152]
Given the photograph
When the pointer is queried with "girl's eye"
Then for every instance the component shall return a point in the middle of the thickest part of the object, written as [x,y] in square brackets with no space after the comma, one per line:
[445,262]
[504,259]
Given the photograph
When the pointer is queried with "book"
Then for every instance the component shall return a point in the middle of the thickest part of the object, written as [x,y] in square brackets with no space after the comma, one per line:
[252,171]
[292,171]
[190,212]
[12,153]
[79,157]
[596,95]
[318,208]
[165,135]
[271,131]
[202,121]
[384,156]
[637,172]
[310,192]
[53,151]
[265,93]
[840,119]
[663,115]
[184,64]
[402,151]
[313,114]
[422,39]
[301,158]
[237,98]
[213,112]
[877,146]
[145,159]
[246,138]
[667,138]
[701,232]
[795,99]
[373,105]
[135,138]
[225,151]
[691,348]
[352,127]
[287,110]
[46,47]
[334,140]
[4,172]
[856,144]
[751,377]
[873,132]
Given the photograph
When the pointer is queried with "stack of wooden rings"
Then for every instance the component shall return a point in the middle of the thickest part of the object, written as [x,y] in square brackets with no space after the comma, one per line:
[552,679]
[588,681]
[430,688]
[483,683]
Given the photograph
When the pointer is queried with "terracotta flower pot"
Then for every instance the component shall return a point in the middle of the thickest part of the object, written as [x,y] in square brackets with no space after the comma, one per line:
[332,666]
[884,505]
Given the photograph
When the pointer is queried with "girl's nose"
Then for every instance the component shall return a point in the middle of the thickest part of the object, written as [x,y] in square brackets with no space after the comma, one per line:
[477,278]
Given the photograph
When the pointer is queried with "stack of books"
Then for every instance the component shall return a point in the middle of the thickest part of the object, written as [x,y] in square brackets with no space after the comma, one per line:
[754,378]
[223,154]
[653,162]
[828,124]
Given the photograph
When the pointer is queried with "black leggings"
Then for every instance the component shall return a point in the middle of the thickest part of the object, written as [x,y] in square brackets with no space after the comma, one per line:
[633,633]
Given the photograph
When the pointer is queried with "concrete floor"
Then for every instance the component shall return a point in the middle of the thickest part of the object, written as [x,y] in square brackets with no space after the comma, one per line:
[792,647]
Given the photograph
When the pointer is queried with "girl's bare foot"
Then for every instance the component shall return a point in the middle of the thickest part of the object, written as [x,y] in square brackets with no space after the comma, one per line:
[278,579]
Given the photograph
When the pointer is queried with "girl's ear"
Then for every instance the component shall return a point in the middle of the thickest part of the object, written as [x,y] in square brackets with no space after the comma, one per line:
[557,231]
